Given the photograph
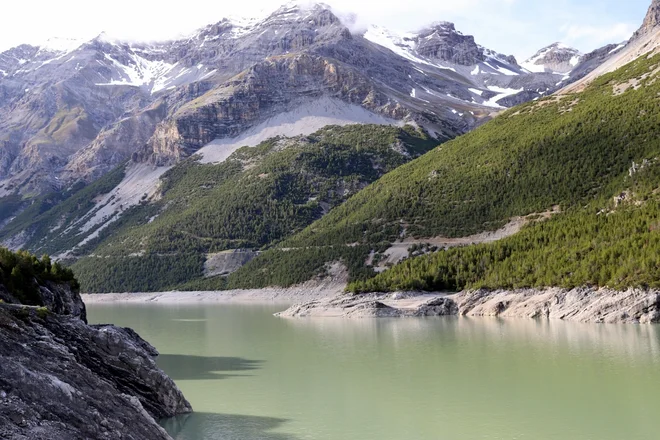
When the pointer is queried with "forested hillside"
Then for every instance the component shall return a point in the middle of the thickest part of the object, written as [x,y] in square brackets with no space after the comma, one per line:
[256,198]
[577,151]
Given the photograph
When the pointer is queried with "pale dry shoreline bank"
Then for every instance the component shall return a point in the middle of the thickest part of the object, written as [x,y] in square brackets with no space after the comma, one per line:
[634,306]
[282,295]
[588,305]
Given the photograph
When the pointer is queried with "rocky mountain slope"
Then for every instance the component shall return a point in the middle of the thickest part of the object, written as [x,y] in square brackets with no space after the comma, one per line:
[74,111]
[645,41]
[61,378]
[555,58]
[205,213]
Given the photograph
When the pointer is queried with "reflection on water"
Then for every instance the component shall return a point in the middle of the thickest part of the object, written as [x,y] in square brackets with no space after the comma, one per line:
[198,426]
[629,341]
[400,379]
[186,367]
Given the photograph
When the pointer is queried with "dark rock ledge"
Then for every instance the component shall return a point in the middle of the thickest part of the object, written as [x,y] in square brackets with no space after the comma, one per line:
[63,379]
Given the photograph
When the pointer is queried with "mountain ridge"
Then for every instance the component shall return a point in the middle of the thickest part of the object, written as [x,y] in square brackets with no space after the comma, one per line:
[72,84]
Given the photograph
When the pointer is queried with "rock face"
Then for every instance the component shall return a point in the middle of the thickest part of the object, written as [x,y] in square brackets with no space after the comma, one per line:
[441,41]
[651,21]
[582,305]
[63,379]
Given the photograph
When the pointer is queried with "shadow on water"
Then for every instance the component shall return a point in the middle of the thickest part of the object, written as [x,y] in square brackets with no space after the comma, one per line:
[207,426]
[184,367]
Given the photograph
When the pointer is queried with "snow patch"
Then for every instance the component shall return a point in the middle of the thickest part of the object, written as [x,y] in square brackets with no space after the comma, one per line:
[501,94]
[620,46]
[502,70]
[65,45]
[402,44]
[304,120]
[532,67]
[140,73]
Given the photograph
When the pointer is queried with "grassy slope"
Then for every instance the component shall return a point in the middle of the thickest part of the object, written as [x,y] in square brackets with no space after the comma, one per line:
[256,198]
[571,151]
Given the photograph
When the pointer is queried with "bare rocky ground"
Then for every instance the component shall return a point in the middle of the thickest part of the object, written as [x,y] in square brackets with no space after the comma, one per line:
[634,306]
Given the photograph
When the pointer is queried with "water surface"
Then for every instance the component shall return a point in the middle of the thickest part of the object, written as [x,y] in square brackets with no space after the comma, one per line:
[251,376]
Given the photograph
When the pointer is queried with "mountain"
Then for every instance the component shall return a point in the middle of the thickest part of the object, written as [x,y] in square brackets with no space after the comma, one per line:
[645,41]
[557,58]
[220,215]
[558,192]
[94,131]
[73,110]
[255,197]
[651,23]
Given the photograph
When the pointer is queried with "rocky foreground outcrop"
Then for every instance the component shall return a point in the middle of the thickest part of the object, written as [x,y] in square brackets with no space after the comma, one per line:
[63,379]
[634,306]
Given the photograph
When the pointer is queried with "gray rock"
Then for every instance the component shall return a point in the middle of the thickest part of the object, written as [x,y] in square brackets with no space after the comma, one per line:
[63,379]
[651,21]
[437,307]
[441,41]
[556,58]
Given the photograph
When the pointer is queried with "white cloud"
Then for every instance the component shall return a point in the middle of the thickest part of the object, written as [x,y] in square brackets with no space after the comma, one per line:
[597,35]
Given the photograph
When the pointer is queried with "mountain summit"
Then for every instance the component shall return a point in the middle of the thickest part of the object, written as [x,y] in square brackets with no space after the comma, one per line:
[652,20]
[557,57]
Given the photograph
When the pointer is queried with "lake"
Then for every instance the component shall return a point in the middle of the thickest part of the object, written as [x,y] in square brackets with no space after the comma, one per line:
[252,376]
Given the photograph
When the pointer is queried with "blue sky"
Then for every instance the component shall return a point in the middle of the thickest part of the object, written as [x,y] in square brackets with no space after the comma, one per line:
[518,27]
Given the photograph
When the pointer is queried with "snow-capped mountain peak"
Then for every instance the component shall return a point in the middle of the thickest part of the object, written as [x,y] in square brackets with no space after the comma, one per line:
[555,58]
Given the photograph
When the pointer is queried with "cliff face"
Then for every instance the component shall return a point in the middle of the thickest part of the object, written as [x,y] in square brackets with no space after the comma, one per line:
[442,42]
[265,89]
[63,379]
[651,21]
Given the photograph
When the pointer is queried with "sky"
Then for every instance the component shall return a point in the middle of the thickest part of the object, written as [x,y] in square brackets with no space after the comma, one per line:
[518,27]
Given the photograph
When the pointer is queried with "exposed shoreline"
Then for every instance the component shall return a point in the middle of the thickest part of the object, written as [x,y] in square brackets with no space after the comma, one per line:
[286,296]
[634,306]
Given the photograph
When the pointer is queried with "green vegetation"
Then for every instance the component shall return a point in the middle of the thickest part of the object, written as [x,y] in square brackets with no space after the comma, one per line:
[345,194]
[22,273]
[286,268]
[9,206]
[43,312]
[47,218]
[138,274]
[567,151]
[617,250]
[256,198]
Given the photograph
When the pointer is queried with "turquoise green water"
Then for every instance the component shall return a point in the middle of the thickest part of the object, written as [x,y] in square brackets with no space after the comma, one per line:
[251,376]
